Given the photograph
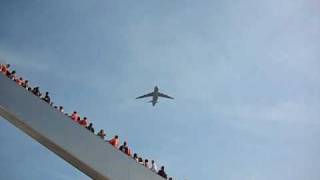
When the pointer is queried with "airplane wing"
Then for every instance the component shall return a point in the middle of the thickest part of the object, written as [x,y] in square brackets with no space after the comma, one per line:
[146,95]
[165,96]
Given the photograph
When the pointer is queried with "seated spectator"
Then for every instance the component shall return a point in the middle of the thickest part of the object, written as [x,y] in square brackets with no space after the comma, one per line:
[135,157]
[36,91]
[29,89]
[170,178]
[61,109]
[11,75]
[129,152]
[146,163]
[4,69]
[125,149]
[162,173]
[19,81]
[140,160]
[84,122]
[46,98]
[153,167]
[1,67]
[115,141]
[75,116]
[90,128]
[101,134]
[25,84]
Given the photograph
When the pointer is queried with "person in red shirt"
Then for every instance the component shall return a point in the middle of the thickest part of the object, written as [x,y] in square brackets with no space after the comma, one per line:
[19,81]
[84,122]
[4,68]
[129,152]
[74,116]
[115,141]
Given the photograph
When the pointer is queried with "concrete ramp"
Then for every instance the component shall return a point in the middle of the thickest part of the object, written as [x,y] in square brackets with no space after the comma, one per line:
[67,139]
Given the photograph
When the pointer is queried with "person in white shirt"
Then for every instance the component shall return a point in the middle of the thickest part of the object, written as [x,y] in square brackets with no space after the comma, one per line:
[154,167]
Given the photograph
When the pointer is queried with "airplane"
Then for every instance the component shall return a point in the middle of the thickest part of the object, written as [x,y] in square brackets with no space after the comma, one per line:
[155,94]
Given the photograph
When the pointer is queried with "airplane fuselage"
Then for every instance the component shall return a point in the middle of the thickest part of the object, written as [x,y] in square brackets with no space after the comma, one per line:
[155,96]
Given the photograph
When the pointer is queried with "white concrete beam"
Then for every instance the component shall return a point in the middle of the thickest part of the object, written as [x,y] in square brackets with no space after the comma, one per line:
[67,139]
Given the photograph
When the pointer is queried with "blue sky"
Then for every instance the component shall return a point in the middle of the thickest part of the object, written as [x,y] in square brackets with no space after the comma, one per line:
[245,75]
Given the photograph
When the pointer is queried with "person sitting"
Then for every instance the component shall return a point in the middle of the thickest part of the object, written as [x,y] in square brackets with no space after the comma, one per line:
[19,81]
[115,141]
[170,178]
[153,167]
[46,98]
[25,84]
[90,128]
[162,173]
[11,75]
[125,149]
[135,157]
[61,109]
[36,91]
[140,160]
[74,116]
[84,122]
[146,163]
[4,69]
[101,134]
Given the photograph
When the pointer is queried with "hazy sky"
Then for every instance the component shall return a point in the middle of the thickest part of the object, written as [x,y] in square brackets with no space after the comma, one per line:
[245,75]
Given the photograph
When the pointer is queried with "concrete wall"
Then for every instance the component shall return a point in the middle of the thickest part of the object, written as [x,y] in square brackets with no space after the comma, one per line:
[67,139]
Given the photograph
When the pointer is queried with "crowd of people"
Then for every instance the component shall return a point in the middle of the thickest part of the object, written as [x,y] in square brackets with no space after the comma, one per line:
[74,116]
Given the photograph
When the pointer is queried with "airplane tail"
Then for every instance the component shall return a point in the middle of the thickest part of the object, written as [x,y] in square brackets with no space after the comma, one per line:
[153,104]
